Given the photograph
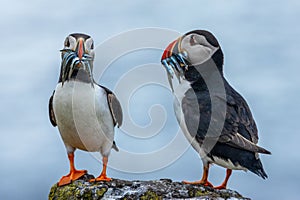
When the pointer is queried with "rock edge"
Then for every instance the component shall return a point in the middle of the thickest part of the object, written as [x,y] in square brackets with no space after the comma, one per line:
[124,189]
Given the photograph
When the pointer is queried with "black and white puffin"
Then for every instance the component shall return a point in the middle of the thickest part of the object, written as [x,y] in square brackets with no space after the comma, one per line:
[84,111]
[214,117]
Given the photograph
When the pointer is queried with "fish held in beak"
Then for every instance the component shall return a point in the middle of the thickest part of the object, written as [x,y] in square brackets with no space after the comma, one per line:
[175,65]
[71,60]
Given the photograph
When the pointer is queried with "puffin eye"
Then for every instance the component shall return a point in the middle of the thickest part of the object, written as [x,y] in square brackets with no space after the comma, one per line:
[92,45]
[198,40]
[67,42]
[192,41]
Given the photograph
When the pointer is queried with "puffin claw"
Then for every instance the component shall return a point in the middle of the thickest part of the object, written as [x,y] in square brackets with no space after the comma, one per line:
[205,183]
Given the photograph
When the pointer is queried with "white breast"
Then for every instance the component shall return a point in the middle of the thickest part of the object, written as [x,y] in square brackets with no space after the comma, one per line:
[83,116]
[179,95]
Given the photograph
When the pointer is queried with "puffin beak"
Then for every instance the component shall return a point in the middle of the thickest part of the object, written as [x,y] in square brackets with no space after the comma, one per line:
[80,48]
[174,62]
[165,58]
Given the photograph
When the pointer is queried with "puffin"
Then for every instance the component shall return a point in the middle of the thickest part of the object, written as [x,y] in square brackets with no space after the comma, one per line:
[214,117]
[85,112]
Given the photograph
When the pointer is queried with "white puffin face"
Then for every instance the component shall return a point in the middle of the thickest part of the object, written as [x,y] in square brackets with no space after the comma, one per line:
[198,49]
[89,46]
[72,42]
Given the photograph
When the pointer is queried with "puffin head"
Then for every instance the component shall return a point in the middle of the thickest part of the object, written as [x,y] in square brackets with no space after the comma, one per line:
[77,55]
[192,50]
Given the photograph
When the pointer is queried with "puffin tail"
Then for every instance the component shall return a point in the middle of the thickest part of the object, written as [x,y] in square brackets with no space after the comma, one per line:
[263,150]
[114,146]
[257,168]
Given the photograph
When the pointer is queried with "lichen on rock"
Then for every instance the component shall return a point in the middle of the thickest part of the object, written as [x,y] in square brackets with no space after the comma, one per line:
[82,189]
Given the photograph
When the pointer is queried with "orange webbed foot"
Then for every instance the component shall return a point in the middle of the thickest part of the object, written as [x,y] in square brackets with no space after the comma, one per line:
[224,184]
[220,187]
[205,183]
[72,176]
[101,178]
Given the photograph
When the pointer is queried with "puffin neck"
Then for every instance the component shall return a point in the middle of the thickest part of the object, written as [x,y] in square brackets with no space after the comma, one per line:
[199,75]
[79,75]
[218,59]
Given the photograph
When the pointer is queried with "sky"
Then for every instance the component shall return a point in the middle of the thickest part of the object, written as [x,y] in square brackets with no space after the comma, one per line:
[260,41]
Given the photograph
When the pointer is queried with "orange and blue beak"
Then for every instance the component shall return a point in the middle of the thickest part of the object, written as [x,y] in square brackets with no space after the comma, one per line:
[174,61]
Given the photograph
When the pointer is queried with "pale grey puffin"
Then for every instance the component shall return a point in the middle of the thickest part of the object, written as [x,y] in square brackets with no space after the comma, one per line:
[196,59]
[84,111]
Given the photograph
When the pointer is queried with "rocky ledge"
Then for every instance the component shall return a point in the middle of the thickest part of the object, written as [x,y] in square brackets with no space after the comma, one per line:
[123,189]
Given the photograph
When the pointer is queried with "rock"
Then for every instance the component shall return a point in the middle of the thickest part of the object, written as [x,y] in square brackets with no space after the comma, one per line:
[123,189]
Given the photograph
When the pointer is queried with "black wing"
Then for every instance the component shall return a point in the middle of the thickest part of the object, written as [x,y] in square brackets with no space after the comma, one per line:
[51,112]
[239,129]
[114,106]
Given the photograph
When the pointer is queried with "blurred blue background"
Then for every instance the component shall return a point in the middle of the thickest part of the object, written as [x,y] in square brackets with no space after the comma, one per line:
[260,41]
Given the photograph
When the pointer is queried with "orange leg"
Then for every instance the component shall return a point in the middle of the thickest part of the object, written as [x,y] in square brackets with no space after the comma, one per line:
[224,184]
[102,176]
[203,180]
[74,173]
